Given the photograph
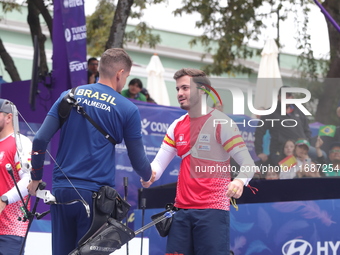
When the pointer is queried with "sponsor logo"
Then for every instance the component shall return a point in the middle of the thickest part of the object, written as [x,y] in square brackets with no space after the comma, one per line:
[174,172]
[72,3]
[153,127]
[124,168]
[181,141]
[68,35]
[204,138]
[145,123]
[75,33]
[203,147]
[76,66]
[181,137]
[297,247]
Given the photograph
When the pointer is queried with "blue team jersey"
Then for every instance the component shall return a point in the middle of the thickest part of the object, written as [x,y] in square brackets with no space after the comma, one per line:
[84,154]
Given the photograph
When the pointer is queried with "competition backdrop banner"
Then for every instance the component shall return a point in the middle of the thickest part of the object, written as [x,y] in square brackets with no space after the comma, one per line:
[287,228]
[69,44]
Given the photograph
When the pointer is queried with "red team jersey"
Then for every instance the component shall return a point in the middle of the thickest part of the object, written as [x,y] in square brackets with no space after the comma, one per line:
[9,224]
[205,147]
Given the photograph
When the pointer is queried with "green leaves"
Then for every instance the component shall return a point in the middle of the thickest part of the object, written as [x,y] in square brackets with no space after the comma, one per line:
[100,22]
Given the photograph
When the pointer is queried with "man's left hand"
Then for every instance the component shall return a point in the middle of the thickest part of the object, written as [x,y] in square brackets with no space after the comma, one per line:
[32,187]
[235,188]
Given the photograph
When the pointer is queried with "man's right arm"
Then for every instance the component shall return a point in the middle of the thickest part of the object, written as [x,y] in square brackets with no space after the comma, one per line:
[138,159]
[159,164]
[41,139]
[164,156]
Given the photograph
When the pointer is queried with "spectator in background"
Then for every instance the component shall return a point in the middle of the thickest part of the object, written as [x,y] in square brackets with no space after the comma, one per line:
[298,128]
[308,171]
[272,174]
[303,161]
[333,169]
[134,90]
[92,70]
[302,158]
[338,110]
[288,148]
[149,99]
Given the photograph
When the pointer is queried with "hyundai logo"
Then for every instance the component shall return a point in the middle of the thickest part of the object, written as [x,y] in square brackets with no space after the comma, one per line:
[297,247]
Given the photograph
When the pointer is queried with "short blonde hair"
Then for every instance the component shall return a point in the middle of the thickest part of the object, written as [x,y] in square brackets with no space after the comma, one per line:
[113,60]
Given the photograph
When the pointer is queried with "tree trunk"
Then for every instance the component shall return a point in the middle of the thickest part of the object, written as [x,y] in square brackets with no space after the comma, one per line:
[117,30]
[8,63]
[34,23]
[326,110]
[40,5]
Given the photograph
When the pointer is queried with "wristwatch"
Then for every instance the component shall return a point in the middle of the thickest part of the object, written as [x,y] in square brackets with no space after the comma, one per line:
[4,199]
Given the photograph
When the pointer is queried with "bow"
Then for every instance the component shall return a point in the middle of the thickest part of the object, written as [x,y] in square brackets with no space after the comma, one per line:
[28,215]
[46,195]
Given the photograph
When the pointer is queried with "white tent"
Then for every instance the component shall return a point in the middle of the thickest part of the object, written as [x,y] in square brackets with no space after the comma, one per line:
[269,77]
[155,84]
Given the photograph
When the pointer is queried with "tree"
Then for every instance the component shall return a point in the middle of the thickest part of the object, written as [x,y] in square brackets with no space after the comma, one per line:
[35,8]
[4,55]
[233,23]
[329,97]
[9,63]
[113,18]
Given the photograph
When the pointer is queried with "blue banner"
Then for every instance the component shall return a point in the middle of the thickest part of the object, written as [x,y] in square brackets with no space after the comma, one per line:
[74,38]
[288,228]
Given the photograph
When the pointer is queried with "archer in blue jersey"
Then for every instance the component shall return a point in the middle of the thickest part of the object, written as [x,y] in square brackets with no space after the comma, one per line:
[85,158]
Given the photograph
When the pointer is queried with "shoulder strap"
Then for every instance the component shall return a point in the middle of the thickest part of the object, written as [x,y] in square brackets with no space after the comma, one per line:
[81,111]
[64,110]
[66,105]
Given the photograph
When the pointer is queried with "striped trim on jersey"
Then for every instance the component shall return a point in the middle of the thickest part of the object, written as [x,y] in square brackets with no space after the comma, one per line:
[167,140]
[233,142]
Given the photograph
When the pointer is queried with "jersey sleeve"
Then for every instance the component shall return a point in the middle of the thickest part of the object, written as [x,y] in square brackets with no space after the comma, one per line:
[166,153]
[231,138]
[26,154]
[233,143]
[132,127]
[23,169]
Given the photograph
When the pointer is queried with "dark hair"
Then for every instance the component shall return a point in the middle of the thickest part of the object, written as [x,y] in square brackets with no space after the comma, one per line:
[138,81]
[199,77]
[284,145]
[334,144]
[90,60]
[144,91]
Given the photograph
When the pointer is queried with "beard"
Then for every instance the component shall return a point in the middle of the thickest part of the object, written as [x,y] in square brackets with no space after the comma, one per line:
[185,107]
